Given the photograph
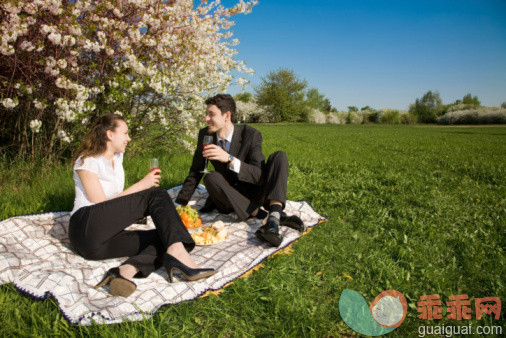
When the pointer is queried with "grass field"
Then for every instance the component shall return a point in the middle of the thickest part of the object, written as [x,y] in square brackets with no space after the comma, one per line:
[418,209]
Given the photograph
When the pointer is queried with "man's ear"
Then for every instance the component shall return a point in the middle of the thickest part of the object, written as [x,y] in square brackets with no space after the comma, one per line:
[229,114]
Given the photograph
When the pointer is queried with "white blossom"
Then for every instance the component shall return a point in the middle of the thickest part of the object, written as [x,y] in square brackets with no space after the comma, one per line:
[62,63]
[39,105]
[69,40]
[27,46]
[11,8]
[186,55]
[242,82]
[55,38]
[35,125]
[9,103]
[62,135]
[7,49]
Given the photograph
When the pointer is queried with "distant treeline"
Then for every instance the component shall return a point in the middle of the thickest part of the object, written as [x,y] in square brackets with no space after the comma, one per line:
[283,97]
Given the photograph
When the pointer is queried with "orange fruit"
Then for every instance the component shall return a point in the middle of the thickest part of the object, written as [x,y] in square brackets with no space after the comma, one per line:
[190,224]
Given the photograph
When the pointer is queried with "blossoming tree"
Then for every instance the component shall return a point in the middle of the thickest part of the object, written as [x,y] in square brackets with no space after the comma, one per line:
[63,62]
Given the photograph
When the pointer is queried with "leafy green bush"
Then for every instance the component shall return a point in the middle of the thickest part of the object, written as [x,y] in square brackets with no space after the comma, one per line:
[428,108]
[371,115]
[390,116]
[243,97]
[407,118]
[354,117]
[283,93]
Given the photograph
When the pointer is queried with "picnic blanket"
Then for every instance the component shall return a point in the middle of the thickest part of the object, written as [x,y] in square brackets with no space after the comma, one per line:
[36,255]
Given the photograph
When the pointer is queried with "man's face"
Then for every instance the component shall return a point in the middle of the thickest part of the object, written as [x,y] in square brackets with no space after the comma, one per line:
[215,119]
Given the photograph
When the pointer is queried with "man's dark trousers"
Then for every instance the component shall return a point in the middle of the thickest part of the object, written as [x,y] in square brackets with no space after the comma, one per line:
[245,198]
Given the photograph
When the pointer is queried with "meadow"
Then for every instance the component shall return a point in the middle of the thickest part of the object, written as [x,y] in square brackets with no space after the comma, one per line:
[418,209]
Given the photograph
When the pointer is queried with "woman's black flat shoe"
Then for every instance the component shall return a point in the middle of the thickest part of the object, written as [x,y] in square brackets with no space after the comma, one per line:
[171,263]
[118,285]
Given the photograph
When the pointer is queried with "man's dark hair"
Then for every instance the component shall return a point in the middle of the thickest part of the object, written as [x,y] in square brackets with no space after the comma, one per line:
[225,103]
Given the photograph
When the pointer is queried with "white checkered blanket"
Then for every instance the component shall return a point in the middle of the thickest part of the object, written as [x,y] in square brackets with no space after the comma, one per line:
[36,255]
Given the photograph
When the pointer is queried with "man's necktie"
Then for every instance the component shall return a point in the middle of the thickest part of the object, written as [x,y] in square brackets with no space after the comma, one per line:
[223,144]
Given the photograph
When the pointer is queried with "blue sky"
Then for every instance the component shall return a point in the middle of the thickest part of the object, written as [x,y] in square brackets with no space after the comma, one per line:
[383,54]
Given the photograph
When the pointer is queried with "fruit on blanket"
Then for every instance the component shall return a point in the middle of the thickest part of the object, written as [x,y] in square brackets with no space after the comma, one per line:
[212,234]
[189,216]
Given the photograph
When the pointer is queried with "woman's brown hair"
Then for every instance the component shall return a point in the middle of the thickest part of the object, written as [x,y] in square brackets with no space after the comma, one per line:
[95,141]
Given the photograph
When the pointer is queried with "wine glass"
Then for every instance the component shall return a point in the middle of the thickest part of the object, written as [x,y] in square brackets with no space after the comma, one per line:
[207,141]
[153,164]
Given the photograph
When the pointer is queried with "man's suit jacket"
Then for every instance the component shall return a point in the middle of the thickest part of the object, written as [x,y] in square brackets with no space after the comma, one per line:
[246,146]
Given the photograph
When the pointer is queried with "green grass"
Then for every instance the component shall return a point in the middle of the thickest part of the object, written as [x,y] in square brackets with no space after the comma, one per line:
[418,209]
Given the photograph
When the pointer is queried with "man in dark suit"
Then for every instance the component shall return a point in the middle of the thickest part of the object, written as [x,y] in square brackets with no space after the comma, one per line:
[242,181]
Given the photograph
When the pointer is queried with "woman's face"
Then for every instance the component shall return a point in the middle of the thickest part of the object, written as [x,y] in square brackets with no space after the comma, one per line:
[118,138]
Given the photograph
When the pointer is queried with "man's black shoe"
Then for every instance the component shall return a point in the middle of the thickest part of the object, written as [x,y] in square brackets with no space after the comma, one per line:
[270,233]
[293,222]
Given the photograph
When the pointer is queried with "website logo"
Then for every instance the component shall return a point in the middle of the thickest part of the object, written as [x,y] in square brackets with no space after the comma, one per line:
[385,314]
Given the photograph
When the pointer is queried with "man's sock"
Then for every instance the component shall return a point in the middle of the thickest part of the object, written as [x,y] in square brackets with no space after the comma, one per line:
[275,213]
[261,214]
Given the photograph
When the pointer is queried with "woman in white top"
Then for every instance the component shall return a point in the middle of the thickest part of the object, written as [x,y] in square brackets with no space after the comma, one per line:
[102,210]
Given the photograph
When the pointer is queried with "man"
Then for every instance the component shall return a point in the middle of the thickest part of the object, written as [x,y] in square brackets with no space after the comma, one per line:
[242,181]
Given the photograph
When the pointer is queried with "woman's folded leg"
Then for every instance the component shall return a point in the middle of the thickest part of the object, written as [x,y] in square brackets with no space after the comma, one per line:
[167,221]
[150,255]
[90,227]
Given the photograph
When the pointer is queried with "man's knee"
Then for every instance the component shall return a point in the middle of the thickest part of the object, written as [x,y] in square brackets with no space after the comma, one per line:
[213,178]
[279,158]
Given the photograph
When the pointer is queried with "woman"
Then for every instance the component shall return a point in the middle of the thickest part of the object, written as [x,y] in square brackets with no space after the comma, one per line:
[102,210]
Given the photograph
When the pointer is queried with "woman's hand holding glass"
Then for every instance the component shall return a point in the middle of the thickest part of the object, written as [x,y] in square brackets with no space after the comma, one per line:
[153,164]
[152,179]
